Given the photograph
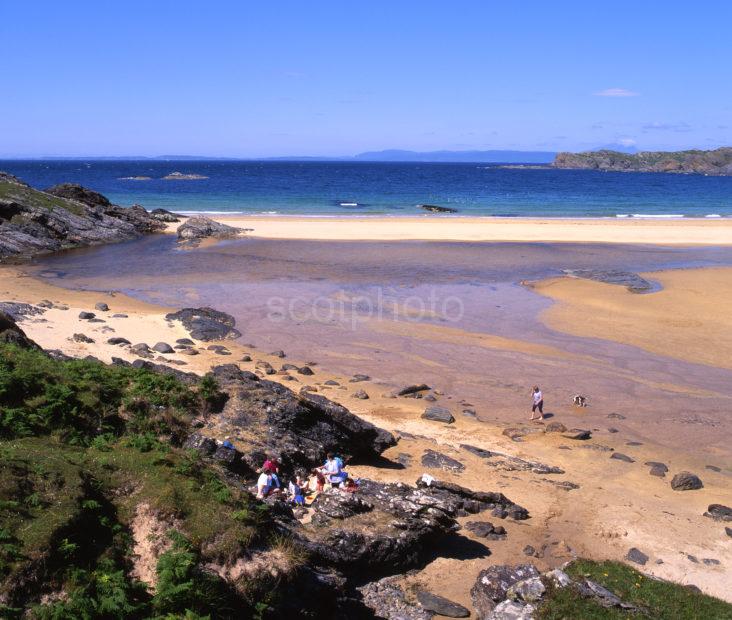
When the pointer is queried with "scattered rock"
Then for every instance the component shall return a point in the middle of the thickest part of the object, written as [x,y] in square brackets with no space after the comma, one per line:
[186,341]
[246,358]
[710,562]
[85,316]
[616,416]
[329,382]
[555,427]
[265,367]
[438,414]
[441,606]
[81,338]
[579,434]
[411,389]
[118,340]
[529,550]
[437,460]
[686,481]
[636,555]
[618,456]
[119,315]
[484,454]
[163,347]
[728,531]
[632,281]
[719,512]
[162,215]
[358,378]
[470,413]
[101,306]
[306,371]
[280,354]
[529,590]
[361,395]
[437,209]
[713,468]
[387,600]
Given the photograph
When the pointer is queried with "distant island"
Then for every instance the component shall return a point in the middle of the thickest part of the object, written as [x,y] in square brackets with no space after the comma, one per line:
[717,162]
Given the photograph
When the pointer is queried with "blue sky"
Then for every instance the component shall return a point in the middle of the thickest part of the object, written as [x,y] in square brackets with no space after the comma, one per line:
[332,78]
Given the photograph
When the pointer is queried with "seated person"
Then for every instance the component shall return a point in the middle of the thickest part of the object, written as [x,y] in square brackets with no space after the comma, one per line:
[264,484]
[350,485]
[295,489]
[333,470]
[316,482]
[272,463]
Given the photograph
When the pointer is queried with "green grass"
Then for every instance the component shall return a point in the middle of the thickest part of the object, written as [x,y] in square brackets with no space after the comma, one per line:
[33,198]
[659,600]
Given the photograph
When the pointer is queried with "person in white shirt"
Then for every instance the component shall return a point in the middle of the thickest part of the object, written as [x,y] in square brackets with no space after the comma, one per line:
[332,470]
[538,403]
[264,484]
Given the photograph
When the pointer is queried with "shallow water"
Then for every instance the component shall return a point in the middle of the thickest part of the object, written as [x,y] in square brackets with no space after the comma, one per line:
[453,315]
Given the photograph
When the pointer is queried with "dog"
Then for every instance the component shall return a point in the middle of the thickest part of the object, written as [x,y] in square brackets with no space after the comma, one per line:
[579,400]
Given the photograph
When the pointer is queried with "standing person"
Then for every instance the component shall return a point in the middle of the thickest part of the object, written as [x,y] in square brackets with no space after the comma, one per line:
[538,399]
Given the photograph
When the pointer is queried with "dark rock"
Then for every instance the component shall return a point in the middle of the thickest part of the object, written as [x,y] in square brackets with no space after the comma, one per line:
[437,460]
[358,378]
[499,512]
[493,583]
[438,209]
[432,398]
[686,481]
[637,556]
[118,340]
[555,427]
[480,528]
[119,316]
[468,412]
[441,606]
[361,395]
[163,347]
[202,227]
[18,311]
[82,338]
[613,430]
[387,600]
[728,531]
[710,562]
[579,434]
[411,389]
[265,367]
[101,306]
[719,512]
[10,333]
[206,323]
[185,341]
[292,367]
[658,471]
[634,443]
[306,371]
[618,456]
[438,414]
[331,382]
[484,454]
[246,358]
[204,445]
[616,416]
[529,550]
[85,316]
[280,354]
[163,215]
[97,320]
[713,468]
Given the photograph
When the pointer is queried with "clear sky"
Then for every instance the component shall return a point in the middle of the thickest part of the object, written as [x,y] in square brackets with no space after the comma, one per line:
[331,78]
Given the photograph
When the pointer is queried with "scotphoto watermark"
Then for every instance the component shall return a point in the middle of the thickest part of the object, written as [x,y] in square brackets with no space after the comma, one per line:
[348,309]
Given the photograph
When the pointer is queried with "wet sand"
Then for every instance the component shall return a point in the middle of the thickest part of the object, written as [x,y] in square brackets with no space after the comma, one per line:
[669,408]
[687,231]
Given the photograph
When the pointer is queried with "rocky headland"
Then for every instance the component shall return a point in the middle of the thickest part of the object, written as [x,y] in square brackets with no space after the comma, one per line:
[64,216]
[717,162]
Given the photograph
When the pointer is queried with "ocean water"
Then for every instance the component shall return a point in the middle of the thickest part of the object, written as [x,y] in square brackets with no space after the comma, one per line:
[364,188]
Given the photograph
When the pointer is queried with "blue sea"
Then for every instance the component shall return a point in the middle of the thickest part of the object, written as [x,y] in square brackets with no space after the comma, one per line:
[365,188]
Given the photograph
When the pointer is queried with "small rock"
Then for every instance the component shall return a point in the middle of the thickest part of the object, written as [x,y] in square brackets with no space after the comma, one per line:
[559,578]
[358,378]
[246,358]
[556,427]
[118,340]
[432,398]
[289,367]
[634,443]
[618,456]
[529,590]
[579,434]
[361,395]
[469,413]
[163,347]
[329,382]
[438,414]
[529,550]
[719,512]
[101,306]
[658,470]
[686,481]
[279,354]
[713,468]
[711,562]
[613,430]
[305,370]
[441,606]
[186,341]
[616,416]
[480,528]
[85,316]
[481,452]
[636,555]
[692,558]
[119,316]
[728,531]
[189,352]
[81,338]
[437,460]
[411,389]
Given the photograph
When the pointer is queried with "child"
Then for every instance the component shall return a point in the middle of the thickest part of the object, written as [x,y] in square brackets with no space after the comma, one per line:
[295,489]
[538,399]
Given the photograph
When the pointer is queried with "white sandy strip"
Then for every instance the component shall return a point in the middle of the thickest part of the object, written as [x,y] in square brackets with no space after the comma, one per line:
[431,228]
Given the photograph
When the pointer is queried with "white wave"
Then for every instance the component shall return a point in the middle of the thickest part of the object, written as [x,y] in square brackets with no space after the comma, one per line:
[713,215]
[658,216]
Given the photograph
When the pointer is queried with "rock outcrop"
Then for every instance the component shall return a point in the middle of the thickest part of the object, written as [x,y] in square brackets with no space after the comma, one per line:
[196,228]
[12,334]
[206,323]
[63,216]
[716,162]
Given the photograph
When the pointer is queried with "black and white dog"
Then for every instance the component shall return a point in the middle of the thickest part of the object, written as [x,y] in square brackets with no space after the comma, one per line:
[579,400]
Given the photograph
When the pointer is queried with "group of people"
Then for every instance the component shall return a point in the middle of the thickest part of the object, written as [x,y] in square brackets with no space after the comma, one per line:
[302,490]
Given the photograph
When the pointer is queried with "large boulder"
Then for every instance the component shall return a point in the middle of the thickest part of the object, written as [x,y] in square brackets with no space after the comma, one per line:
[206,323]
[10,333]
[686,481]
[201,227]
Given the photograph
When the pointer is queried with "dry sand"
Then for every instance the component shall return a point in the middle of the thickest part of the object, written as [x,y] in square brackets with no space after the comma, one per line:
[688,319]
[429,227]
[617,505]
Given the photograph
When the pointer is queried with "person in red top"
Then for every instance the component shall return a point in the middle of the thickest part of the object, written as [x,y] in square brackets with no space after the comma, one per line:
[272,464]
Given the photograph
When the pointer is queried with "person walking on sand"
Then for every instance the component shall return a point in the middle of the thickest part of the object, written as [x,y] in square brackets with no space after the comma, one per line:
[538,399]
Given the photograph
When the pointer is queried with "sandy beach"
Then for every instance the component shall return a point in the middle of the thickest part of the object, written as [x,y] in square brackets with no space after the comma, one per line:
[684,231]
[599,508]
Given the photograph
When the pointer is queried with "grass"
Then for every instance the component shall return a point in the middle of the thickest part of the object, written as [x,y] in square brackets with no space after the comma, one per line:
[659,600]
[30,197]
[81,446]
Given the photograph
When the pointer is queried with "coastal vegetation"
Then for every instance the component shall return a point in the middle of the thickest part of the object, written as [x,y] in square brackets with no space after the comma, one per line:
[716,162]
